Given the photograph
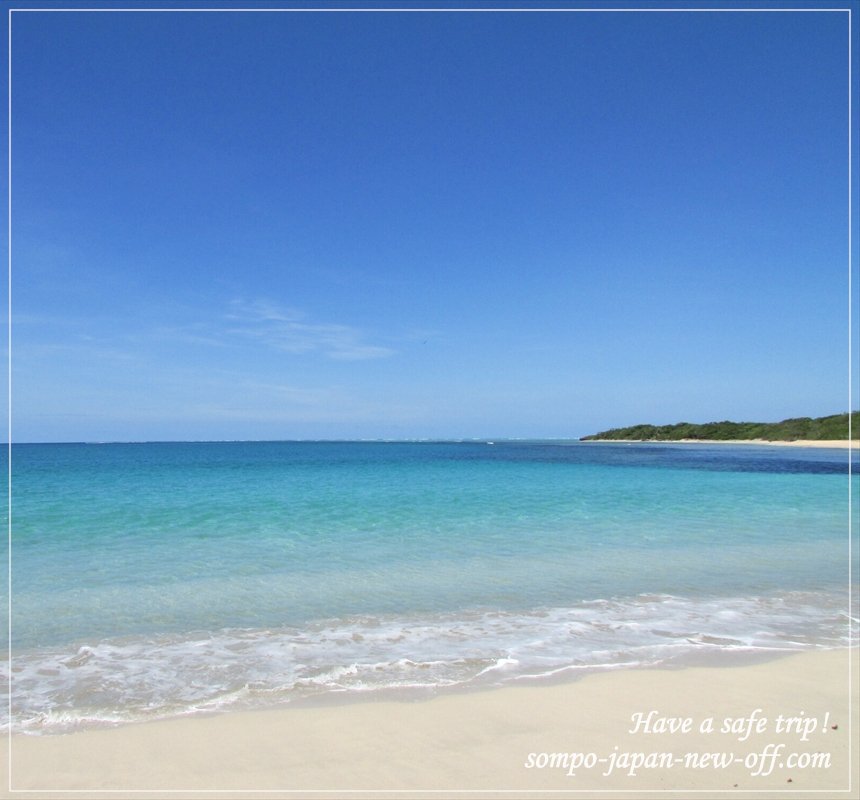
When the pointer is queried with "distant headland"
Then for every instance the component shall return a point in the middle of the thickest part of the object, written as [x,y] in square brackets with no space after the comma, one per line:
[832,428]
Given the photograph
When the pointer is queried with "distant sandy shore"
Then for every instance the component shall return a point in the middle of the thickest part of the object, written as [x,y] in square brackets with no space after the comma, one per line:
[847,443]
[494,740]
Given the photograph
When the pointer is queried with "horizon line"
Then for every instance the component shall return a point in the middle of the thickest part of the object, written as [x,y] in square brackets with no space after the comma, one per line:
[380,440]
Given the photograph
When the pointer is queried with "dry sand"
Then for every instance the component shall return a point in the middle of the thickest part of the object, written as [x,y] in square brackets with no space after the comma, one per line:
[483,741]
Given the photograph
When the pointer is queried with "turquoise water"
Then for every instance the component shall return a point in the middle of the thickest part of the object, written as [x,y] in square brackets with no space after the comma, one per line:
[165,578]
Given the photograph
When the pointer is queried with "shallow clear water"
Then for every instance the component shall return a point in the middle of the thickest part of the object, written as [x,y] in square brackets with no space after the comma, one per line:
[164,578]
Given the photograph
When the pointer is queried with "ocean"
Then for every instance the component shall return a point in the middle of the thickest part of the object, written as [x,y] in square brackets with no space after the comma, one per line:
[154,580]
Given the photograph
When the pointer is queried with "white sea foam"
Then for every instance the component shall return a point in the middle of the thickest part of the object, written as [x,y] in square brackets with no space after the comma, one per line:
[119,680]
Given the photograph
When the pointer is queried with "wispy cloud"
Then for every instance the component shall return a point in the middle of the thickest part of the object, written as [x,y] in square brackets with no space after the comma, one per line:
[260,324]
[289,330]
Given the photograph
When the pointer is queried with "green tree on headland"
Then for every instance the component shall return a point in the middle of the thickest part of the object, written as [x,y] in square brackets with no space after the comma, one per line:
[789,430]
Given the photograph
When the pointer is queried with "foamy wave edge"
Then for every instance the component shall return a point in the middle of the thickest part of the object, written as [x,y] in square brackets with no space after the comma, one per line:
[121,680]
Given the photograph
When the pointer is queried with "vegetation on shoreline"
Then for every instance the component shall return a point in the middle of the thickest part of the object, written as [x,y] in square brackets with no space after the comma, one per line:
[789,430]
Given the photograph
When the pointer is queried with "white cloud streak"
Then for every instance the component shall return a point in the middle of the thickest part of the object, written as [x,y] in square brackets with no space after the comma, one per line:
[288,330]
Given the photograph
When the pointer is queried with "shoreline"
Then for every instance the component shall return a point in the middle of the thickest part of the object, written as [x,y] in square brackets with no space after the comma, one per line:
[849,444]
[483,741]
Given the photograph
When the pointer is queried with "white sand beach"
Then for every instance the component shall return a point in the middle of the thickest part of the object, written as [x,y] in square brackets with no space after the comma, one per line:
[828,443]
[502,743]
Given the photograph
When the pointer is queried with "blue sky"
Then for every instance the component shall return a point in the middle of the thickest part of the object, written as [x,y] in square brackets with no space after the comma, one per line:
[347,225]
